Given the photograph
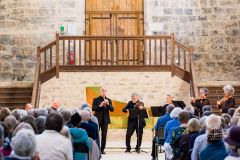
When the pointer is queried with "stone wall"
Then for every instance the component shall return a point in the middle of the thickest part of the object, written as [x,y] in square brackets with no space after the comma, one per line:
[26,24]
[152,87]
[211,27]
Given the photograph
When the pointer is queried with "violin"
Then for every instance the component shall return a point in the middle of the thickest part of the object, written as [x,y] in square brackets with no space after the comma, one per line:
[223,100]
[138,104]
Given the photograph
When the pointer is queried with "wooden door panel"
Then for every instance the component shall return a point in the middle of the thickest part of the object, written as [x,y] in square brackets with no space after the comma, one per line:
[109,18]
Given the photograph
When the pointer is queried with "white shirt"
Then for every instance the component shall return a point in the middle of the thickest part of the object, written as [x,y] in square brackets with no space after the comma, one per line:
[51,145]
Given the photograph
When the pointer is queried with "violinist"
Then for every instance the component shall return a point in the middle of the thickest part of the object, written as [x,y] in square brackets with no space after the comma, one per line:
[200,102]
[228,100]
[135,103]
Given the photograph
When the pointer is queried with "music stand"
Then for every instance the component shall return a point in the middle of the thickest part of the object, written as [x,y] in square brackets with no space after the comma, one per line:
[180,104]
[138,113]
[157,111]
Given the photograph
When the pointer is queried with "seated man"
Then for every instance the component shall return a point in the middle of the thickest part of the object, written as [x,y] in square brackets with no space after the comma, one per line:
[51,144]
[162,121]
[89,126]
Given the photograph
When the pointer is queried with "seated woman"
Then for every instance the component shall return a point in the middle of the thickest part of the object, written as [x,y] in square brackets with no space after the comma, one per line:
[193,127]
[81,143]
[177,133]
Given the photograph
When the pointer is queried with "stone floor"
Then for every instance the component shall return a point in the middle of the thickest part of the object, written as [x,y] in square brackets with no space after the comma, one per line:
[116,146]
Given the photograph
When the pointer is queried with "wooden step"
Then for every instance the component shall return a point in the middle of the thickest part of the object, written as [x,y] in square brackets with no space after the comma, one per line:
[15,97]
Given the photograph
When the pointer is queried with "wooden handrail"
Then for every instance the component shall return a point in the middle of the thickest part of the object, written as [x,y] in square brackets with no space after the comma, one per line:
[34,100]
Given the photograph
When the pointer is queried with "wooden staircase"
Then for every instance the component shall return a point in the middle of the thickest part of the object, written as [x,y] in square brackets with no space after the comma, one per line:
[216,93]
[15,97]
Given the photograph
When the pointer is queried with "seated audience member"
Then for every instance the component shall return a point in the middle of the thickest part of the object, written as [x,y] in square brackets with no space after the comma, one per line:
[80,140]
[201,141]
[161,122]
[231,111]
[207,113]
[233,141]
[28,106]
[20,126]
[226,119]
[89,126]
[86,106]
[65,132]
[234,120]
[10,123]
[66,113]
[23,145]
[19,114]
[42,112]
[170,126]
[215,148]
[202,130]
[1,141]
[51,144]
[4,112]
[40,123]
[55,105]
[32,121]
[207,108]
[177,133]
[186,140]
[190,110]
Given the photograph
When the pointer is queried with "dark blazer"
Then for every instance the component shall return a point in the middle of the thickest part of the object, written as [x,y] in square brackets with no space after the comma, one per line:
[129,106]
[199,104]
[102,113]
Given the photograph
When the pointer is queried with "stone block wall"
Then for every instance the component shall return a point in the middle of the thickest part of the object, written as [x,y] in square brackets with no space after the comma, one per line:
[211,27]
[152,87]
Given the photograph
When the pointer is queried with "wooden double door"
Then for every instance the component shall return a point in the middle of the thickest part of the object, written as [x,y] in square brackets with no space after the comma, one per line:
[114,18]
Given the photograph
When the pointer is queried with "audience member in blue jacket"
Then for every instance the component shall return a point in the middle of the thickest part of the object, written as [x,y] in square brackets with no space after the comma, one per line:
[172,124]
[162,121]
[215,149]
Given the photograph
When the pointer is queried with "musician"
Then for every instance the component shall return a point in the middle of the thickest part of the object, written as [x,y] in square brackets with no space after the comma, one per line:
[168,101]
[102,105]
[199,103]
[228,101]
[133,122]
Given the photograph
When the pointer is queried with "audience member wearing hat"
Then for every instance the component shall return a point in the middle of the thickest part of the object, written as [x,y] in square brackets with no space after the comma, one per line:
[233,141]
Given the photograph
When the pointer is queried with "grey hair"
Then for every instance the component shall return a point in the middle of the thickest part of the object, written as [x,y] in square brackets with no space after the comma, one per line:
[43,112]
[189,109]
[169,108]
[229,89]
[85,115]
[10,122]
[134,94]
[213,122]
[22,125]
[1,135]
[24,143]
[19,114]
[175,113]
[204,89]
[66,113]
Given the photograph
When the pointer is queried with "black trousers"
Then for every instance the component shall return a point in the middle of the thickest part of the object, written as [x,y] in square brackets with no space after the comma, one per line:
[104,128]
[132,126]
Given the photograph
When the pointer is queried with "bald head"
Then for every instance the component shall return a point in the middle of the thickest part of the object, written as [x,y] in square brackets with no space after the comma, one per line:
[103,91]
[85,114]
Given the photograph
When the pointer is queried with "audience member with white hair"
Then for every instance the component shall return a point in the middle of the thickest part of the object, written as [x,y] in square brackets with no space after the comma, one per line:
[23,145]
[190,110]
[66,113]
[212,122]
[215,148]
[86,106]
[169,129]
[89,126]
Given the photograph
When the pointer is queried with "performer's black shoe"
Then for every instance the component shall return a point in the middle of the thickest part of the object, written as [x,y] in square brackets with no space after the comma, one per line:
[103,152]
[128,151]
